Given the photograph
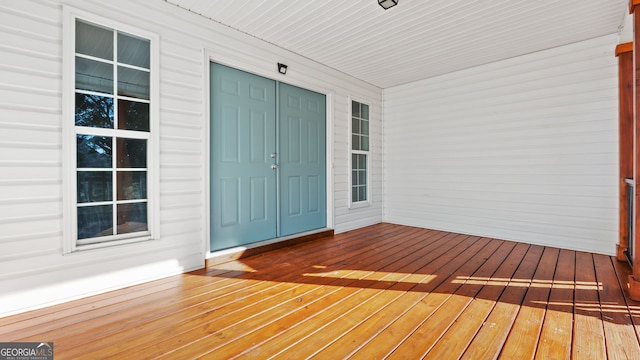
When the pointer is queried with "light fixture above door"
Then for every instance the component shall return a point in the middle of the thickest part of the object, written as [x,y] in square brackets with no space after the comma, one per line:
[282,68]
[386,4]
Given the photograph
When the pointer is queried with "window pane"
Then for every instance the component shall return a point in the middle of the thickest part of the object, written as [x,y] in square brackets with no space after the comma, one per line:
[133,50]
[362,193]
[355,108]
[354,194]
[93,151]
[362,162]
[94,221]
[94,111]
[93,40]
[132,218]
[132,153]
[132,185]
[355,126]
[354,177]
[364,143]
[133,115]
[355,142]
[364,111]
[94,186]
[362,177]
[365,127]
[94,75]
[133,83]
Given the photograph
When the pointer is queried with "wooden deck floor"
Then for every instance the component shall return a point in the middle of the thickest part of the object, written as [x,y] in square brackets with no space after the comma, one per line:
[386,291]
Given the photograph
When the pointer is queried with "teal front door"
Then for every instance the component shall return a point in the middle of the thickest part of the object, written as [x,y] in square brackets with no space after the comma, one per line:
[243,135]
[268,168]
[302,161]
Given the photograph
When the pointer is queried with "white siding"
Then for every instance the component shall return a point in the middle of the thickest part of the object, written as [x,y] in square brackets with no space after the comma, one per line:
[523,149]
[33,270]
[626,29]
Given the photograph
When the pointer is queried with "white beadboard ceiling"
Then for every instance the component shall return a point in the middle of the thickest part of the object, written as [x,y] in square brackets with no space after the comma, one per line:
[417,39]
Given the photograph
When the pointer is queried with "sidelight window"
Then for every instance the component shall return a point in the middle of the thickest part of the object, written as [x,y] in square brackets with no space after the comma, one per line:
[359,152]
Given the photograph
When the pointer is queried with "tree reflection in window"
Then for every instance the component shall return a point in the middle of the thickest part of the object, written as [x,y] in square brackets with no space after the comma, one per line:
[95,221]
[94,111]
[94,151]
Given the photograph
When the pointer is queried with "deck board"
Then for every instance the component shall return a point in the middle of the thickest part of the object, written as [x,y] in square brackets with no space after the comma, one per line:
[618,328]
[588,341]
[441,253]
[555,338]
[490,339]
[523,338]
[461,333]
[345,343]
[384,291]
[215,315]
[432,328]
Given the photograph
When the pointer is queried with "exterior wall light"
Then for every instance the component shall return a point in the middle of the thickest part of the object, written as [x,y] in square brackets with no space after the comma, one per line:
[282,68]
[386,4]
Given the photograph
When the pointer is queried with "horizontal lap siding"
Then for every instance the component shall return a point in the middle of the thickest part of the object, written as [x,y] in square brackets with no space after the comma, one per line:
[523,149]
[33,271]
[30,144]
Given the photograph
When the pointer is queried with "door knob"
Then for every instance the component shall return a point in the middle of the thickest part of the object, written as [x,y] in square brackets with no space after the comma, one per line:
[274,166]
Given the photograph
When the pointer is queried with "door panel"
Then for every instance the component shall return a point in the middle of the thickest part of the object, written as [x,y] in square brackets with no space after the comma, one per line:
[230,202]
[243,137]
[302,119]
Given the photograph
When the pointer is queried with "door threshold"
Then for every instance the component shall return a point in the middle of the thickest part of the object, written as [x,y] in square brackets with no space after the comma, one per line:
[239,252]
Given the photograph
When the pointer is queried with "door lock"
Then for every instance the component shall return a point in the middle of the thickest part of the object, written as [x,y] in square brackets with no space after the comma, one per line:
[274,166]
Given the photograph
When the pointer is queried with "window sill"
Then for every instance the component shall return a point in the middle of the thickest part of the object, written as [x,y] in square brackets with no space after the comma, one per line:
[359,205]
[111,243]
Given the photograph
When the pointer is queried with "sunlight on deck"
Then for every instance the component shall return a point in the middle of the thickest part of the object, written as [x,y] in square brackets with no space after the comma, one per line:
[549,284]
[375,275]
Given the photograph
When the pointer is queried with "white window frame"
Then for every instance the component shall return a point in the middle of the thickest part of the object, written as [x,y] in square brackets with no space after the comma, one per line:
[69,129]
[367,202]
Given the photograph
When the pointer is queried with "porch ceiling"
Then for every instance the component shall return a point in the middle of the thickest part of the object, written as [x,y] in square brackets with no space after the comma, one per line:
[417,39]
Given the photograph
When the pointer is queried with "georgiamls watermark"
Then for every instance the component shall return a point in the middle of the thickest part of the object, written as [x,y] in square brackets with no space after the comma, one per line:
[26,351]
